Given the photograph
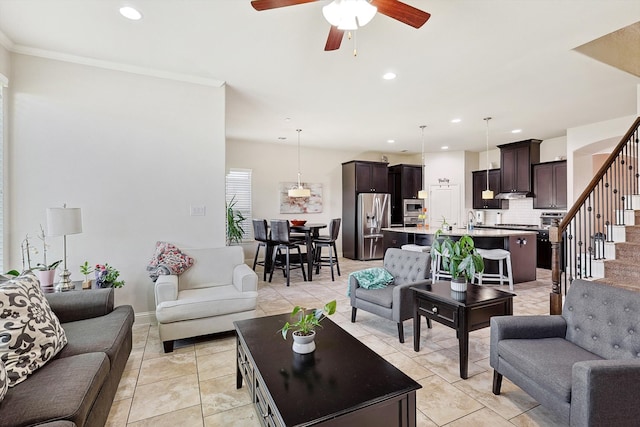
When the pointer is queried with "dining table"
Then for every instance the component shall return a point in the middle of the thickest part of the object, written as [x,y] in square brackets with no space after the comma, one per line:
[311,230]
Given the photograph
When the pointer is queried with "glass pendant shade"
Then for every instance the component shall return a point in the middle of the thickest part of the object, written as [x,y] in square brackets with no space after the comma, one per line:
[299,191]
[487,194]
[349,14]
[422,194]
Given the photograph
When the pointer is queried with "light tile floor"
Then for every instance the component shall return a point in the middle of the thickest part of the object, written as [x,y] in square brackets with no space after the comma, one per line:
[195,385]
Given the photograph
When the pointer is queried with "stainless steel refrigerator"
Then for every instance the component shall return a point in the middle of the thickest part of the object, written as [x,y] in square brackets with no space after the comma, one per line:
[374,213]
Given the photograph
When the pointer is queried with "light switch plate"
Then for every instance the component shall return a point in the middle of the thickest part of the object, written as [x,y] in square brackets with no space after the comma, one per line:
[198,210]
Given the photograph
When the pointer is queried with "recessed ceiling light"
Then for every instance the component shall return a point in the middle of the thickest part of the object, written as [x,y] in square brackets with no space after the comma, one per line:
[445,147]
[391,141]
[456,120]
[389,76]
[130,13]
[516,131]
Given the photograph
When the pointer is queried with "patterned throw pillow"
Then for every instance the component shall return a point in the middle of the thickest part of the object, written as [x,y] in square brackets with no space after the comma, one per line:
[168,259]
[371,278]
[30,333]
[4,383]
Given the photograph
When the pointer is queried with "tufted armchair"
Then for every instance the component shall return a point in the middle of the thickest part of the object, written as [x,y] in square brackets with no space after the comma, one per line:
[584,364]
[394,302]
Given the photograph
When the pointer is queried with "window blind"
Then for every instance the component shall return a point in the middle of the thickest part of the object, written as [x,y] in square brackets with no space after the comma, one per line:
[238,190]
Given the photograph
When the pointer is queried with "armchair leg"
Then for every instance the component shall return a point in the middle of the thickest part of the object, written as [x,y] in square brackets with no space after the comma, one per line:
[497,382]
[353,314]
[401,332]
[168,346]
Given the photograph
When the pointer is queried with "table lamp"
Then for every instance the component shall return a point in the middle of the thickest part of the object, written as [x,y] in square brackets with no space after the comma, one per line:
[61,222]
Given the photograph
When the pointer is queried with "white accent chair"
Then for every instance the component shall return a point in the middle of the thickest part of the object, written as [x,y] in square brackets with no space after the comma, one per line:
[207,298]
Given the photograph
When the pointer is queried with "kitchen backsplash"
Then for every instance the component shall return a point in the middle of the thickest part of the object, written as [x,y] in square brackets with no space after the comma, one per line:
[520,212]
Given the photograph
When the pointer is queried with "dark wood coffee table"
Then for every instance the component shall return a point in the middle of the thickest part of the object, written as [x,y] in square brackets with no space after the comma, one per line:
[342,383]
[462,311]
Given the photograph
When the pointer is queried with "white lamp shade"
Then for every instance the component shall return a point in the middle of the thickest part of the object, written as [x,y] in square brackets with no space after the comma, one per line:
[299,192]
[487,194]
[63,221]
[422,194]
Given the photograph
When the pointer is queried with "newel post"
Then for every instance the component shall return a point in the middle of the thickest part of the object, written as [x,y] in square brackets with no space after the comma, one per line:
[555,301]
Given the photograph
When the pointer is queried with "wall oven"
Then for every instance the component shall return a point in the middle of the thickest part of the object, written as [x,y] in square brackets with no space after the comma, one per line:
[411,209]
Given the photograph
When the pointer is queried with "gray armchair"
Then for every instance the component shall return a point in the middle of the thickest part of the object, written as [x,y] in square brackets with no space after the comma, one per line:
[394,302]
[584,364]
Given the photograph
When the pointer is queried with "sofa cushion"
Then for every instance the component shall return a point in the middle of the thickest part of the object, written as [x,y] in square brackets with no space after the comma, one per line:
[382,297]
[205,302]
[64,389]
[99,334]
[547,361]
[168,259]
[4,381]
[30,333]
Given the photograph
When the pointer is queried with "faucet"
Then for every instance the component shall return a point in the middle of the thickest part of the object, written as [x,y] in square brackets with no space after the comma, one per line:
[470,217]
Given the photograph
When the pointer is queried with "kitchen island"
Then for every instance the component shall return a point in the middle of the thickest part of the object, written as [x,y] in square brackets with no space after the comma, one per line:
[521,244]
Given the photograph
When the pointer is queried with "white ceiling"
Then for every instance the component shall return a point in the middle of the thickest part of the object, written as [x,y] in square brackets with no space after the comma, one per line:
[509,59]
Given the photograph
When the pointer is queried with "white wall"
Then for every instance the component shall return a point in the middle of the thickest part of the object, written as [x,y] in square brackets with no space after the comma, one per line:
[5,61]
[132,151]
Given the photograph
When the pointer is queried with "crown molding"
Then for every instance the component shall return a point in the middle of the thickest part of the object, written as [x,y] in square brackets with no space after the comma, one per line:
[115,66]
[6,41]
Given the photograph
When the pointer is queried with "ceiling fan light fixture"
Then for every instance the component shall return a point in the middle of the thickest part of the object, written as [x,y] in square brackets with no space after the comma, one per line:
[349,14]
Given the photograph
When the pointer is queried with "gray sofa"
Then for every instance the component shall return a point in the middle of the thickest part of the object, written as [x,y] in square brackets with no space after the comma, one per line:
[76,387]
[394,302]
[584,364]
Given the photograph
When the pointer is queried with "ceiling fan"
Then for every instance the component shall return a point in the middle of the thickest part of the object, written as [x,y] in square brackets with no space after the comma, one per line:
[346,15]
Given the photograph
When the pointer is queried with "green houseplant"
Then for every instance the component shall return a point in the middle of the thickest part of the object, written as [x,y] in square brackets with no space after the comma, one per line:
[235,232]
[304,329]
[460,258]
[86,270]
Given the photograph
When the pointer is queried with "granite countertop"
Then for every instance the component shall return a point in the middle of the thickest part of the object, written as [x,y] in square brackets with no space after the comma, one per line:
[484,232]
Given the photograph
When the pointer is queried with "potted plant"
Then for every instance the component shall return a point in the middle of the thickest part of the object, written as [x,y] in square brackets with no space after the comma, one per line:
[86,270]
[459,258]
[46,272]
[235,232]
[107,277]
[304,329]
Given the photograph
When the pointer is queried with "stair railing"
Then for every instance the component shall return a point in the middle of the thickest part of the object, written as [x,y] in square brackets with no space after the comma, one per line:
[580,238]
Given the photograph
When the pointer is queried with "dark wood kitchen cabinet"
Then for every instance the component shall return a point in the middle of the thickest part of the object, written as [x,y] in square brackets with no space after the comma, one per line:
[404,183]
[370,177]
[516,159]
[550,185]
[480,184]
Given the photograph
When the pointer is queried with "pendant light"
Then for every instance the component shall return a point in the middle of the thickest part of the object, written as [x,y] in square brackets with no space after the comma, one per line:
[422,194]
[299,191]
[487,194]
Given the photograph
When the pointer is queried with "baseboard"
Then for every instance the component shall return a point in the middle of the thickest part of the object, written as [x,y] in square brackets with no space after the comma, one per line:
[146,318]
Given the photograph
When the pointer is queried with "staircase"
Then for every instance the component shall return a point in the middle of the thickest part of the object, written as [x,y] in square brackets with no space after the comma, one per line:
[599,238]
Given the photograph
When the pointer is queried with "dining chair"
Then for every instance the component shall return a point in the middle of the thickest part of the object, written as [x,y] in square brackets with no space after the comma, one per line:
[281,238]
[261,235]
[328,242]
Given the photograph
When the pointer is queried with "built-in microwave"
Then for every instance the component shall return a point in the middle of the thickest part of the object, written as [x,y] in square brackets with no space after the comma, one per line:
[411,208]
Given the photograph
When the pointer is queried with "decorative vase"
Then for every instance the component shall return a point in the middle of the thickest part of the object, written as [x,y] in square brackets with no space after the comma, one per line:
[458,296]
[459,284]
[46,278]
[87,284]
[304,344]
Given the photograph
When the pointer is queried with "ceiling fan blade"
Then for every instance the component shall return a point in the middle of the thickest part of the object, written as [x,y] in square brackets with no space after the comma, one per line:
[273,4]
[402,12]
[334,39]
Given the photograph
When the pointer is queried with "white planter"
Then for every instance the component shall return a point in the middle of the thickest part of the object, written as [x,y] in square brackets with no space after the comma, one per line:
[459,285]
[304,344]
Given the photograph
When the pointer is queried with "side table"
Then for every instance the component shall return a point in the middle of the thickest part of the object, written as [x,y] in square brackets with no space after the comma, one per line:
[462,311]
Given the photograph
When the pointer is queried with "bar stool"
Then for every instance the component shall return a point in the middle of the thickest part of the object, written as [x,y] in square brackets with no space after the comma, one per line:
[281,237]
[437,269]
[328,242]
[499,255]
[261,235]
